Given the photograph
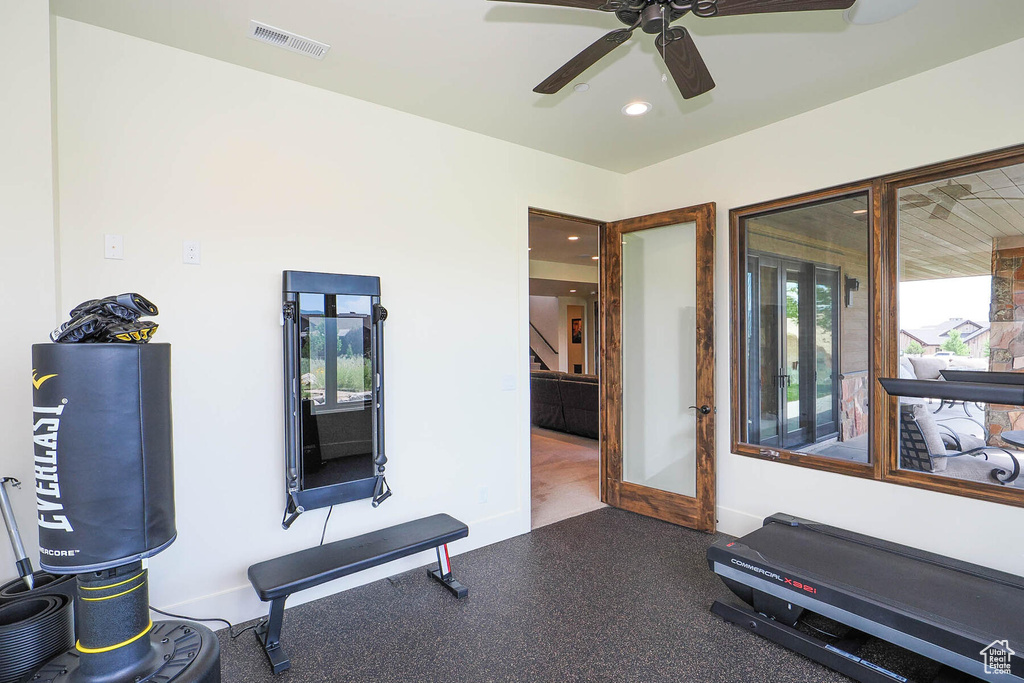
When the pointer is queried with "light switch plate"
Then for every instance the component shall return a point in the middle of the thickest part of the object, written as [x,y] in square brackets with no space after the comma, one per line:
[190,252]
[113,247]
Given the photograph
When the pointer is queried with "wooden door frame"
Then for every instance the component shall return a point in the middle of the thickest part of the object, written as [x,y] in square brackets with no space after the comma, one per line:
[652,502]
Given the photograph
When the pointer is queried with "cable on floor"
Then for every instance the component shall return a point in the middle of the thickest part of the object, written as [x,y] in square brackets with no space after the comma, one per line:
[231,627]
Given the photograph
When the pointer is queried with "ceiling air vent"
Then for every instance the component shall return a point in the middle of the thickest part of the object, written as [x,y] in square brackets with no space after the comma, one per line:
[287,40]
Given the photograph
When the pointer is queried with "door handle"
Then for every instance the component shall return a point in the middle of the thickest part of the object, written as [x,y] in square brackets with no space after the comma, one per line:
[704,410]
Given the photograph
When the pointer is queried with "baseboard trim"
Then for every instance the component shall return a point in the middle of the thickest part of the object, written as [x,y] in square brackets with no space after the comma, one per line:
[736,522]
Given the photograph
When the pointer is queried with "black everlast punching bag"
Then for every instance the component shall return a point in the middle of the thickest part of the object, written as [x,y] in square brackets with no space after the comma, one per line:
[105,502]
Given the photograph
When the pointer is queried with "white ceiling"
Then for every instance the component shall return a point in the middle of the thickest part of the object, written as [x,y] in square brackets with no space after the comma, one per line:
[539,287]
[549,240]
[473,63]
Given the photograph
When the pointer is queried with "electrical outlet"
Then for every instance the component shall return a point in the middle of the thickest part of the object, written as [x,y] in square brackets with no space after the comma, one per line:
[113,247]
[190,252]
[508,382]
[483,495]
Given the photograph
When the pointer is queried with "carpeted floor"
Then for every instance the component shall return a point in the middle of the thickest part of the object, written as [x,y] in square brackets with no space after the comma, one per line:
[564,471]
[606,596]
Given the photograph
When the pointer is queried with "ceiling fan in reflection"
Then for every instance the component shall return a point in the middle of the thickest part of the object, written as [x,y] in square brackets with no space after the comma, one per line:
[944,199]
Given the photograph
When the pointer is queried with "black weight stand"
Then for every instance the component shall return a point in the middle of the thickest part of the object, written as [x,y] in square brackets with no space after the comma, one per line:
[118,642]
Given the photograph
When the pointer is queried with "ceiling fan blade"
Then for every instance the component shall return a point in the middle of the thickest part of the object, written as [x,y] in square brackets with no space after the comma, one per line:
[578,4]
[583,61]
[729,8]
[685,63]
[941,212]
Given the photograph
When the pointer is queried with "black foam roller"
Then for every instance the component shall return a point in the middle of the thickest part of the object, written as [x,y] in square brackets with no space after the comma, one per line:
[45,584]
[103,455]
[32,630]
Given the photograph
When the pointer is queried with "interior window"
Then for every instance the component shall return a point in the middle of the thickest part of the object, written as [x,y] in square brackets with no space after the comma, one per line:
[806,313]
[960,292]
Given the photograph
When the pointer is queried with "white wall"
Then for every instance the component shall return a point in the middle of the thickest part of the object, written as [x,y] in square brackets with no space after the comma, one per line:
[27,256]
[962,108]
[544,317]
[161,146]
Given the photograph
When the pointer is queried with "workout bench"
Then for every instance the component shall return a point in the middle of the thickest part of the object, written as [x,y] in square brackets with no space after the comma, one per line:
[274,580]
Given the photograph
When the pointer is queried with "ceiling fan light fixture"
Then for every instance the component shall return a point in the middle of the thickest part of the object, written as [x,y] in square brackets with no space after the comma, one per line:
[581,87]
[573,238]
[636,108]
[867,12]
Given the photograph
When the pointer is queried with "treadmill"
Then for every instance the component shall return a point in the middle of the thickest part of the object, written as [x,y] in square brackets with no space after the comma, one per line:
[938,607]
[964,616]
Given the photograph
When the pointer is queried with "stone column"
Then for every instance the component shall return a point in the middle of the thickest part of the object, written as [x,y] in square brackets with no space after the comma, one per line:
[1006,338]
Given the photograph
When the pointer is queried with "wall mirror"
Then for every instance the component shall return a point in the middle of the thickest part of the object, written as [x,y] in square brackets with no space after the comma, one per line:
[334,390]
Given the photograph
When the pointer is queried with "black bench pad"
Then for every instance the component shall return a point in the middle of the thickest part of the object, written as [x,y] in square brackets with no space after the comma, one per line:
[282,576]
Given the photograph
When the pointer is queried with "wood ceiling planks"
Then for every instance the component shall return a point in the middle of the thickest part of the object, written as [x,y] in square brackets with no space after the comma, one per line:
[947,228]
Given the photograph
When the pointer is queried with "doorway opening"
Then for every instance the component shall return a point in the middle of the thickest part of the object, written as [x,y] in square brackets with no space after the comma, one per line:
[565,357]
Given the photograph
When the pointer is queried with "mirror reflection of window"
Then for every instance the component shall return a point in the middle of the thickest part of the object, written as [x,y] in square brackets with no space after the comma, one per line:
[960,295]
[312,341]
[335,370]
[806,309]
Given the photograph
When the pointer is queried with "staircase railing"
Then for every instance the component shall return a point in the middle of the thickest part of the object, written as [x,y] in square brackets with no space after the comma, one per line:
[553,350]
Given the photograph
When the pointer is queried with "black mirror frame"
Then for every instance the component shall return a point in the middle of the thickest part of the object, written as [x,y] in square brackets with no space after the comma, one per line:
[301,499]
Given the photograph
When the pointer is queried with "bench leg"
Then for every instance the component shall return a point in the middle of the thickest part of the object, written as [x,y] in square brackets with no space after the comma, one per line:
[443,574]
[269,635]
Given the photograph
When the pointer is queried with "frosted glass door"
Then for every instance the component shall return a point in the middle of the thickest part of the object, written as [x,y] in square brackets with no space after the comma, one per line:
[659,358]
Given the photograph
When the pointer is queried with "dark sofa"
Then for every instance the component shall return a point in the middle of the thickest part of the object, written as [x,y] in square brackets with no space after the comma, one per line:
[565,403]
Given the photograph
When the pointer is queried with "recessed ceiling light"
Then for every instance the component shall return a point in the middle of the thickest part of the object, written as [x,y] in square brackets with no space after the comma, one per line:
[572,291]
[860,211]
[593,292]
[594,258]
[581,87]
[876,11]
[636,108]
[573,238]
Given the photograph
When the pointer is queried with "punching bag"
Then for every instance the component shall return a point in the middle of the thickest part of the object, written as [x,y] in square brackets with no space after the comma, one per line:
[105,502]
[103,456]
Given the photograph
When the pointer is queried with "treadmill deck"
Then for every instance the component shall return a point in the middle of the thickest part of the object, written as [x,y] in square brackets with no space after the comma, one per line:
[955,605]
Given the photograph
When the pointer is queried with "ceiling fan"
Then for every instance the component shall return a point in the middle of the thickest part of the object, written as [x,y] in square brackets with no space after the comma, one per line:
[673,42]
[945,198]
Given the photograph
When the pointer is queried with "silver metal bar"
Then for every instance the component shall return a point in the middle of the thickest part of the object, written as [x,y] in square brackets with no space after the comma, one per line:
[12,530]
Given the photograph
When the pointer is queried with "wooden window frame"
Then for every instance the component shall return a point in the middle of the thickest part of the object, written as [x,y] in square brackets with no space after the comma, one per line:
[890,283]
[737,271]
[883,286]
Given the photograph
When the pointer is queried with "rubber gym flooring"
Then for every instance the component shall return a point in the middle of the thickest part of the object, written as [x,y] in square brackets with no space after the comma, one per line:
[606,596]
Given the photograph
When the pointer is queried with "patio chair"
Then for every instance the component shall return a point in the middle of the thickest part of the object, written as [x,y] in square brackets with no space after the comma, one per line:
[926,446]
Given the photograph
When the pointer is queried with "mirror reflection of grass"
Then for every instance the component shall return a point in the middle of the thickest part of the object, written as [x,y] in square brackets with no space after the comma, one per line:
[354,374]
